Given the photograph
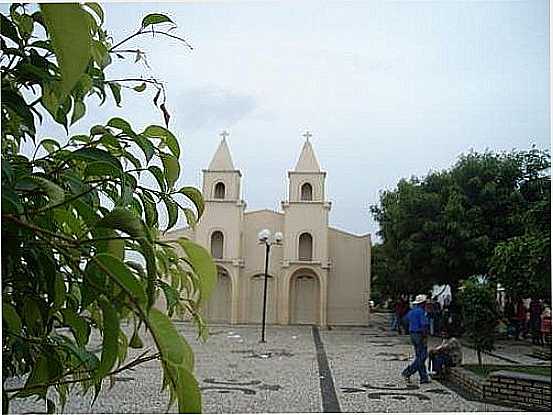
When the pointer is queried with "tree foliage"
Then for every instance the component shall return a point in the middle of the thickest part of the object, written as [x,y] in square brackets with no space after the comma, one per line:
[82,248]
[445,227]
[480,314]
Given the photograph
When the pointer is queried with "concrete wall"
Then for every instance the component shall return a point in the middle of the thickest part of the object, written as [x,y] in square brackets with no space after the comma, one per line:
[349,280]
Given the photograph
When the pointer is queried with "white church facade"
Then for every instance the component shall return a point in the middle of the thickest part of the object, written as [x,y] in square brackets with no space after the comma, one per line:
[318,275]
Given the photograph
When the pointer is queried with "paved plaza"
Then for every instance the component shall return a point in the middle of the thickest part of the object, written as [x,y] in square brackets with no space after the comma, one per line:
[299,369]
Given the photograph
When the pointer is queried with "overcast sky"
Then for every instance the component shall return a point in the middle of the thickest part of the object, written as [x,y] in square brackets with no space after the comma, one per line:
[388,89]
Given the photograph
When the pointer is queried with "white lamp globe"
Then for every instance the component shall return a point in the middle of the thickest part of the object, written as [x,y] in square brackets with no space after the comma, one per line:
[279,237]
[264,235]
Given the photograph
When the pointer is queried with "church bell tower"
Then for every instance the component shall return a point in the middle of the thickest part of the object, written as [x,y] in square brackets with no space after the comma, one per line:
[220,227]
[306,210]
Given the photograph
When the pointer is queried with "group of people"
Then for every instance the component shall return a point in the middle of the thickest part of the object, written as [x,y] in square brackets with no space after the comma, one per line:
[440,318]
[534,319]
[447,354]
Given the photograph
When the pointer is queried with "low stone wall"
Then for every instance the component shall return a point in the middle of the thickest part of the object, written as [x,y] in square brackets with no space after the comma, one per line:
[470,382]
[518,389]
[505,388]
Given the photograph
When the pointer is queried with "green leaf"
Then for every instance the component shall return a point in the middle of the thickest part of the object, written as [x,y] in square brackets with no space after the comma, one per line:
[166,137]
[150,210]
[122,125]
[190,216]
[115,247]
[123,220]
[50,145]
[172,211]
[178,362]
[94,283]
[172,169]
[110,342]
[79,110]
[93,154]
[39,375]
[25,24]
[116,91]
[119,272]
[8,29]
[136,341]
[59,290]
[202,264]
[101,169]
[55,193]
[78,326]
[151,270]
[96,8]
[146,146]
[69,31]
[173,347]
[158,174]
[141,87]
[171,296]
[195,196]
[16,103]
[12,319]
[155,18]
[100,54]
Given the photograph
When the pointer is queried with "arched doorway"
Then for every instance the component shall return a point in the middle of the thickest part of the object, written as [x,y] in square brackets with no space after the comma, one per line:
[304,297]
[219,304]
[255,303]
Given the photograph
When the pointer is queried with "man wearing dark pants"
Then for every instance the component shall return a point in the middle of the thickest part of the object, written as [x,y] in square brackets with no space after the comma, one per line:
[418,329]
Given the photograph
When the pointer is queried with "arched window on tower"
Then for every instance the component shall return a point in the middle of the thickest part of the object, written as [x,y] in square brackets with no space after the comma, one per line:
[219,192]
[306,192]
[305,247]
[217,242]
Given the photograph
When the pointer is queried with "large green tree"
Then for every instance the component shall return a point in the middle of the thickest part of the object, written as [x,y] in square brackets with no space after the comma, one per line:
[522,263]
[82,248]
[445,227]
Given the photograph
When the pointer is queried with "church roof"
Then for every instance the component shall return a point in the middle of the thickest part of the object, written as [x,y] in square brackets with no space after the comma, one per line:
[307,161]
[222,159]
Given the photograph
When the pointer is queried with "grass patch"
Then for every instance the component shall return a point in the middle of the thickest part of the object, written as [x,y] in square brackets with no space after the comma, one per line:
[485,370]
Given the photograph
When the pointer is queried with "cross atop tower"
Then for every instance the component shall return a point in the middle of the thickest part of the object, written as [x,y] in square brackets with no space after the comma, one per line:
[307,135]
[224,134]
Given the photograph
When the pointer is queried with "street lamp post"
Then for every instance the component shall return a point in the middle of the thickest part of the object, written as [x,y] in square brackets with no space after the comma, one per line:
[266,239]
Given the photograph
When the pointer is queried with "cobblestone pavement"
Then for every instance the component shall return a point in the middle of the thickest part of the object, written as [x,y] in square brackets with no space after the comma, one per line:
[237,374]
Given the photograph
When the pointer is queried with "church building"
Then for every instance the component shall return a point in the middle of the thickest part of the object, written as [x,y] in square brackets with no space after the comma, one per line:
[317,275]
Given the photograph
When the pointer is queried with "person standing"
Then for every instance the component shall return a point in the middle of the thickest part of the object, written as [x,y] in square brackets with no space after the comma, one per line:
[418,330]
[520,319]
[546,326]
[509,314]
[535,321]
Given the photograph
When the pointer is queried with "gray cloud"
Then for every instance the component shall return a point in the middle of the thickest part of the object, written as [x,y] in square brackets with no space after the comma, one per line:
[212,107]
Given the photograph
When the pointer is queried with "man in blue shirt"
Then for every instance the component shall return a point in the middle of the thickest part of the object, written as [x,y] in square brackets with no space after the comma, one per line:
[418,329]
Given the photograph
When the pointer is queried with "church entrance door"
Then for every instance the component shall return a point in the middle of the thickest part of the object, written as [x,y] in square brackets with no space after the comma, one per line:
[219,305]
[255,303]
[305,299]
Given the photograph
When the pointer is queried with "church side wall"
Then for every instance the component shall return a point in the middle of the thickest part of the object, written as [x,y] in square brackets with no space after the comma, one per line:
[348,282]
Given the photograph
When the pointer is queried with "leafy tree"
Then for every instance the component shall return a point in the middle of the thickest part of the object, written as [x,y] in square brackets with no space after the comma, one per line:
[389,279]
[81,243]
[480,314]
[445,227]
[522,264]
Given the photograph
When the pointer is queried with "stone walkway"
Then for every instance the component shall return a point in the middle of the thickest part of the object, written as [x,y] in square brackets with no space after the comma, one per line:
[299,369]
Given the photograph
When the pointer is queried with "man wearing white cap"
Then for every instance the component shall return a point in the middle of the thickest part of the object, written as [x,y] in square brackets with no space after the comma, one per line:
[418,329]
